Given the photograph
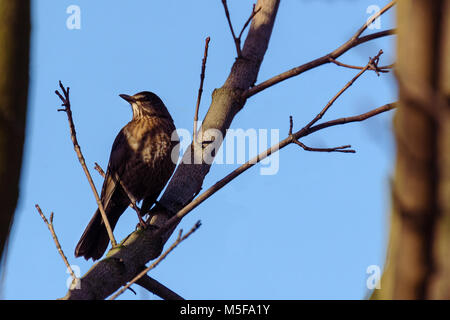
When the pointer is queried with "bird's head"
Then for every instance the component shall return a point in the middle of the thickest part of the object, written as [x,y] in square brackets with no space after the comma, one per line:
[146,103]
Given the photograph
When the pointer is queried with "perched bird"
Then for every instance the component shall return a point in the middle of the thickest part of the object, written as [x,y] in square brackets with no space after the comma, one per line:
[141,158]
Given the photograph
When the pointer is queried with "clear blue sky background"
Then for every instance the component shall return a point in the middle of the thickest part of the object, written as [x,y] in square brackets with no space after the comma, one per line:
[308,232]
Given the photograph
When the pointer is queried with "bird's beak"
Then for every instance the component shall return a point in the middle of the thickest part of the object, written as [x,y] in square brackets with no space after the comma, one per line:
[127,98]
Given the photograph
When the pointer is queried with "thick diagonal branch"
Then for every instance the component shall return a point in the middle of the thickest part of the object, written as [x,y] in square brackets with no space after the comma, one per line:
[158,288]
[200,90]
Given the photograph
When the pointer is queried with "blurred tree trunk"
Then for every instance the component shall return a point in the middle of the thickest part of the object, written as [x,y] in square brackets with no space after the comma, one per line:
[418,262]
[14,59]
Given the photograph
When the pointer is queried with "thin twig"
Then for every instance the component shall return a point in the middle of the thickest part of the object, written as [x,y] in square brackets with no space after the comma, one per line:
[372,63]
[369,37]
[66,103]
[383,69]
[357,118]
[252,15]
[374,17]
[180,239]
[354,41]
[237,40]
[55,239]
[227,14]
[344,149]
[200,89]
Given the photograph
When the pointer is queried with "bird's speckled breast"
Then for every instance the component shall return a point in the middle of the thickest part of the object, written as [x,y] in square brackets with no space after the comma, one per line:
[151,146]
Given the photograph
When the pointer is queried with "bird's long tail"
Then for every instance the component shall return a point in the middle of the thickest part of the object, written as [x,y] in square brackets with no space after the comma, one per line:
[95,239]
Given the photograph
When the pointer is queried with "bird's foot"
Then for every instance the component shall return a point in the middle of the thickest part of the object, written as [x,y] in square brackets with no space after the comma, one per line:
[142,224]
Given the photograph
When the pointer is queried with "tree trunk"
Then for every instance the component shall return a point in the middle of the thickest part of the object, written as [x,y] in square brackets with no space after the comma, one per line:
[418,262]
[14,58]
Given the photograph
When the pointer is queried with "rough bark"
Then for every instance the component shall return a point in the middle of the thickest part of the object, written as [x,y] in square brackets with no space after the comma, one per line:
[125,262]
[418,264]
[14,57]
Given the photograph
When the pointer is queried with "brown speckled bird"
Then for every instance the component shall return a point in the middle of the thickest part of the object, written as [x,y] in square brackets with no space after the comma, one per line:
[141,159]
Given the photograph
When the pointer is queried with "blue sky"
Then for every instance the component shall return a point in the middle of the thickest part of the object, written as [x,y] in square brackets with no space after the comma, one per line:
[308,232]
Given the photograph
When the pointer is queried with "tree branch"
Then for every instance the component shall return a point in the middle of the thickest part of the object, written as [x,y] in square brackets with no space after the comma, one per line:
[343,149]
[57,244]
[354,41]
[200,90]
[132,199]
[254,12]
[373,63]
[227,14]
[383,69]
[158,288]
[237,40]
[73,134]
[357,118]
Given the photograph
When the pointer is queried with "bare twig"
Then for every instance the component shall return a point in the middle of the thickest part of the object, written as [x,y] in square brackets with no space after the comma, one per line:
[99,170]
[55,239]
[237,40]
[382,69]
[344,149]
[157,288]
[254,12]
[66,103]
[227,14]
[369,37]
[132,199]
[180,239]
[374,17]
[346,120]
[354,41]
[335,149]
[200,90]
